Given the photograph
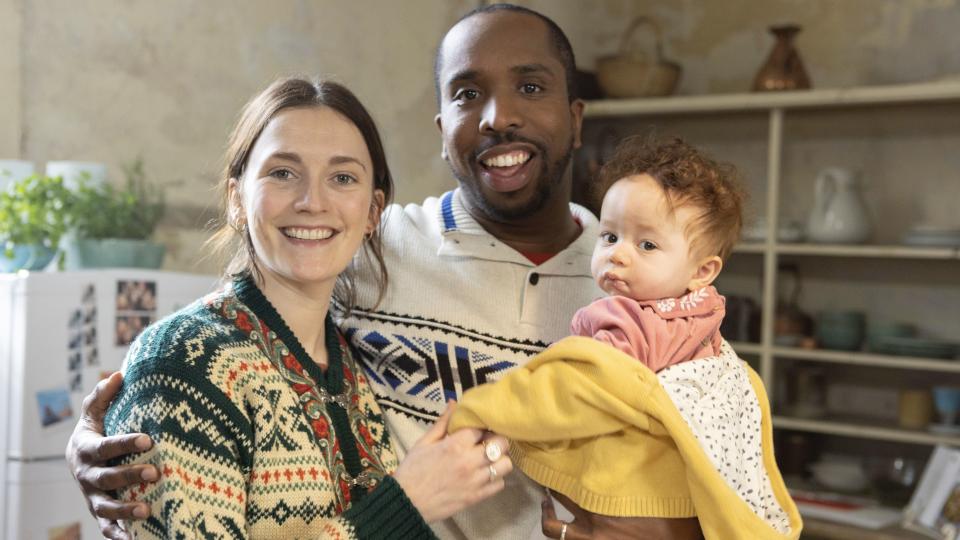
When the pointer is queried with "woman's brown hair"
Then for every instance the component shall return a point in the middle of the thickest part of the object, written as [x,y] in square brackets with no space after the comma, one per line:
[232,240]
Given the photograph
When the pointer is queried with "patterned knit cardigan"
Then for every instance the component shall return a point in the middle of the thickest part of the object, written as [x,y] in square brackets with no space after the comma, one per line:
[252,440]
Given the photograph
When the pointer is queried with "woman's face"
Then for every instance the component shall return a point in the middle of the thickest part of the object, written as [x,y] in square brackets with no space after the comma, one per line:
[307,197]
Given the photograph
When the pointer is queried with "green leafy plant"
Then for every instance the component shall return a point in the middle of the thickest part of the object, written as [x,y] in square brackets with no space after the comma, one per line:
[34,211]
[131,212]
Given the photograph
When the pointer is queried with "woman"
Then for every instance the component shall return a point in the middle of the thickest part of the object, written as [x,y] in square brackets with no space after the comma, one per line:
[263,425]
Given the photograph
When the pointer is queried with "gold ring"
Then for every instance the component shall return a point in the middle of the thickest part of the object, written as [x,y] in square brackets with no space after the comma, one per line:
[563,531]
[493,472]
[492,451]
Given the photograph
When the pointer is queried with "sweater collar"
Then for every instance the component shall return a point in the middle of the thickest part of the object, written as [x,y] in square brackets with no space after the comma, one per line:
[463,236]
[250,295]
[703,301]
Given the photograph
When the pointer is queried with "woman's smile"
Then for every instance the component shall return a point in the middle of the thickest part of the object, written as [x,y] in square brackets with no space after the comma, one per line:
[308,233]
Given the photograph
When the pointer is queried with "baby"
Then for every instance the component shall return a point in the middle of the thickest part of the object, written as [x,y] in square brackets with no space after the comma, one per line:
[669,219]
[649,422]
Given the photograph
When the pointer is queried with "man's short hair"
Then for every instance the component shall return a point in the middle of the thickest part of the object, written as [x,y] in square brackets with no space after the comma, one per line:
[557,38]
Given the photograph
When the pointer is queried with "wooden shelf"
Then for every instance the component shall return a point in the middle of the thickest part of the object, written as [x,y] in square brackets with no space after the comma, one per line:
[855,358]
[776,107]
[868,359]
[931,92]
[894,251]
[864,430]
[743,347]
[838,250]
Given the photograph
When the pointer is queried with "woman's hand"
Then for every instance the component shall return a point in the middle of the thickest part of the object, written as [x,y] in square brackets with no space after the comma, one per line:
[88,452]
[443,474]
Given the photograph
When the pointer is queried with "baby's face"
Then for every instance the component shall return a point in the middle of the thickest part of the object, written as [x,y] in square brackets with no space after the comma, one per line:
[643,252]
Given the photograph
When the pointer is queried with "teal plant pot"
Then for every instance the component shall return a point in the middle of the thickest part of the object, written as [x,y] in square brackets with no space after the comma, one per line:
[31,257]
[85,253]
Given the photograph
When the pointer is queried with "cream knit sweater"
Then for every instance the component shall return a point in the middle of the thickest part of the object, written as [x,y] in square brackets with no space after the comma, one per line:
[462,309]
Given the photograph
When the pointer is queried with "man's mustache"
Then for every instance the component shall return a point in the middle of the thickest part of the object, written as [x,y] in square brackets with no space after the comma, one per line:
[499,138]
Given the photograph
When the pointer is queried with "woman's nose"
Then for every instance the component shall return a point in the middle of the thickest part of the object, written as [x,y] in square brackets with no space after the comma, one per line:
[312,198]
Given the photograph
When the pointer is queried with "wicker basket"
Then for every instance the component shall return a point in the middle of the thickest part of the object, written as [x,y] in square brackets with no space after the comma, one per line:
[632,73]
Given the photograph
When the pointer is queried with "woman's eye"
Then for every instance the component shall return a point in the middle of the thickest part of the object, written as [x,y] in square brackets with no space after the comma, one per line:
[647,245]
[282,174]
[344,179]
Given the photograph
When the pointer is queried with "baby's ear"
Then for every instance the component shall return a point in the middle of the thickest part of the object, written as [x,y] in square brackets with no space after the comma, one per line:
[707,270]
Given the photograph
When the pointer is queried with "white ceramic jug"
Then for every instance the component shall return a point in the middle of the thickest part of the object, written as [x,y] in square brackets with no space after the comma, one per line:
[839,215]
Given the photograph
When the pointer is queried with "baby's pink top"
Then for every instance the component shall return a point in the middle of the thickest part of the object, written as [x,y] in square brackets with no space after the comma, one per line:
[659,333]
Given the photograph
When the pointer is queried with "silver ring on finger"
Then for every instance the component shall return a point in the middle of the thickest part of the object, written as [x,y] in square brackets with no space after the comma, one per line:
[563,531]
[493,472]
[492,450]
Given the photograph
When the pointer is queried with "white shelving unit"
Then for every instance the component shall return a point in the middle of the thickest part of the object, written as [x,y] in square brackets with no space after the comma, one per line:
[776,106]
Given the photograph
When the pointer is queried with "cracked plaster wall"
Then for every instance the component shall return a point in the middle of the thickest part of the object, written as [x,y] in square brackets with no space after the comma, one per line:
[110,80]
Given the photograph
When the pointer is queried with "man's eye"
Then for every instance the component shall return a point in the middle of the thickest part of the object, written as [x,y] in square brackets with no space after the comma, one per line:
[647,245]
[531,88]
[468,94]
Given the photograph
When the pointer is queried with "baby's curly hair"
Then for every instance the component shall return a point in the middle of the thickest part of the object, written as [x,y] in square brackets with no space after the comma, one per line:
[688,177]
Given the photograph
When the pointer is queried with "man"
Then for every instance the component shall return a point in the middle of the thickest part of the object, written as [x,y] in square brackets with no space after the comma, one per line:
[482,278]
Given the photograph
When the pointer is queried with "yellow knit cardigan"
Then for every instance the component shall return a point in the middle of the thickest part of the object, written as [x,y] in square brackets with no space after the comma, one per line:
[613,441]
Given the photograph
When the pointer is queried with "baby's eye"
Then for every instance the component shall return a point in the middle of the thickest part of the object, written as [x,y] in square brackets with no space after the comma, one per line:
[647,245]
[608,238]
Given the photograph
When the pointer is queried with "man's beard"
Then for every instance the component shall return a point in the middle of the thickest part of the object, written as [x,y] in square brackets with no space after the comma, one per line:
[549,180]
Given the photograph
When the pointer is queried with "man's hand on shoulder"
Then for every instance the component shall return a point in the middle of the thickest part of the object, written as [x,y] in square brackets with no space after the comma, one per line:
[88,452]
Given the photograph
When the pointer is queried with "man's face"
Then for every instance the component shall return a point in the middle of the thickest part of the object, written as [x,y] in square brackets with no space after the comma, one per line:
[507,123]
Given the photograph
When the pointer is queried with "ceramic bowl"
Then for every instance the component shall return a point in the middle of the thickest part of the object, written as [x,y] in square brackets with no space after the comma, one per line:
[897,329]
[914,346]
[840,330]
[841,475]
[30,257]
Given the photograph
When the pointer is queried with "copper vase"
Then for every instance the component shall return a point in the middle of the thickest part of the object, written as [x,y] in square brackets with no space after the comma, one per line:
[783,69]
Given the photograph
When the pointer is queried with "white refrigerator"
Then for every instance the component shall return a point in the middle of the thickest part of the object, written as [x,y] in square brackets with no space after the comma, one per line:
[60,333]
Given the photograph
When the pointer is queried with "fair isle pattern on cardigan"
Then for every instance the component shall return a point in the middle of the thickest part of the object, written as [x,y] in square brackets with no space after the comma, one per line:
[245,446]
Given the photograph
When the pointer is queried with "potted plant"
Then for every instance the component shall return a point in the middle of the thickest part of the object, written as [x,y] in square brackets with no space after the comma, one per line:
[34,214]
[112,226]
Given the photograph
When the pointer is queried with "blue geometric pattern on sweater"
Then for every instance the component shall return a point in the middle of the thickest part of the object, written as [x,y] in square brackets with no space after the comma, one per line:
[416,376]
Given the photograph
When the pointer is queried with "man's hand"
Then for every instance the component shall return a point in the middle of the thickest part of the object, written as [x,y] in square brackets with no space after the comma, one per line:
[581,528]
[88,452]
[590,526]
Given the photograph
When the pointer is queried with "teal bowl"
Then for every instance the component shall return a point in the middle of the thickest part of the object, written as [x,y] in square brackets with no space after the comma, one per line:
[30,257]
[840,330]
